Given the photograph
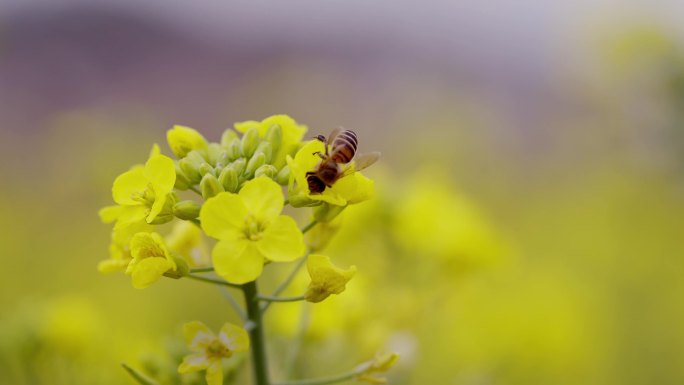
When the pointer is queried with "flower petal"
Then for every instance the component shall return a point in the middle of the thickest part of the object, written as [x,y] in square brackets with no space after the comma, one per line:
[354,188]
[109,214]
[148,271]
[234,338]
[263,198]
[215,373]
[237,261]
[223,216]
[127,184]
[112,265]
[197,335]
[282,240]
[193,363]
[160,171]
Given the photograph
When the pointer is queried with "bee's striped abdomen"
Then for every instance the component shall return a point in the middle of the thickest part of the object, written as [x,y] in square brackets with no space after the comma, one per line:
[344,147]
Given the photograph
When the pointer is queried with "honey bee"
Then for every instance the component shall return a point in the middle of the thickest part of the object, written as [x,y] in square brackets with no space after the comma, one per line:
[340,148]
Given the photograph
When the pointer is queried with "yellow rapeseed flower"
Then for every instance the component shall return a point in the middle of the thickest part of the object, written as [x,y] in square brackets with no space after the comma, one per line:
[209,349]
[250,230]
[183,139]
[347,190]
[144,192]
[292,134]
[381,363]
[326,278]
[151,259]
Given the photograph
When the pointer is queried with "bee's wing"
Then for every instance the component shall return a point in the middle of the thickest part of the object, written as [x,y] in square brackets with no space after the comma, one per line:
[361,162]
[332,136]
[366,159]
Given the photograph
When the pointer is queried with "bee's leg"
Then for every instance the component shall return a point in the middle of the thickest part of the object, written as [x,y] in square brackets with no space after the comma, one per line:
[319,154]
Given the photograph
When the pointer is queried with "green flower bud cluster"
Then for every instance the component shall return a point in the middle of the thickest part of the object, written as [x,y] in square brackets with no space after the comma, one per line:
[211,168]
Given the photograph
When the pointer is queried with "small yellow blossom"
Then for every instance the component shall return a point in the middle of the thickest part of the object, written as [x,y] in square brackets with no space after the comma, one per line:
[292,134]
[347,190]
[151,259]
[119,250]
[326,278]
[209,349]
[183,139]
[144,192]
[250,230]
[381,364]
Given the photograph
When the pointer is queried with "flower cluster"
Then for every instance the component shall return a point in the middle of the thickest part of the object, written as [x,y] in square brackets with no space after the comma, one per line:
[230,194]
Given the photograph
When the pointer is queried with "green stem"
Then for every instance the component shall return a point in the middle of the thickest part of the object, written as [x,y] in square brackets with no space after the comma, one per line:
[196,222]
[202,270]
[211,280]
[193,188]
[270,298]
[309,226]
[256,334]
[285,283]
[323,380]
[234,303]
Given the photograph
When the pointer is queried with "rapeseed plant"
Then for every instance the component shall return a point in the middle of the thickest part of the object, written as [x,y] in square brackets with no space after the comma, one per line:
[239,186]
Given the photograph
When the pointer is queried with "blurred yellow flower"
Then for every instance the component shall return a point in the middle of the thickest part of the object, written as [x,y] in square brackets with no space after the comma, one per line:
[291,135]
[381,363]
[183,139]
[326,278]
[208,349]
[250,230]
[347,190]
[151,259]
[144,192]
[124,229]
[186,240]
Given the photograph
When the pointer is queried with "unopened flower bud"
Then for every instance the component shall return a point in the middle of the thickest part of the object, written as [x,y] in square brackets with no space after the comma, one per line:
[283,176]
[239,165]
[205,168]
[190,166]
[186,210]
[266,170]
[229,179]
[183,139]
[182,182]
[250,141]
[257,161]
[223,159]
[214,150]
[266,148]
[274,135]
[228,136]
[210,186]
[234,149]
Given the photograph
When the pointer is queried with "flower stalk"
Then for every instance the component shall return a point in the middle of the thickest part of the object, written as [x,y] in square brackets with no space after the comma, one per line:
[256,334]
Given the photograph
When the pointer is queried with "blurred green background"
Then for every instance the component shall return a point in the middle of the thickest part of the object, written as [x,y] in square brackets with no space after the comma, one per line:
[527,228]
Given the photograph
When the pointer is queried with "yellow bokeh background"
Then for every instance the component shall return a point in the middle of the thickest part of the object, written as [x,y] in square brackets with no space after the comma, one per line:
[526,229]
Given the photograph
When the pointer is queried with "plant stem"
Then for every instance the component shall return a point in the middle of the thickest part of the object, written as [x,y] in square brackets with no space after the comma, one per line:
[270,298]
[256,334]
[193,188]
[285,283]
[309,226]
[202,270]
[323,380]
[211,280]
